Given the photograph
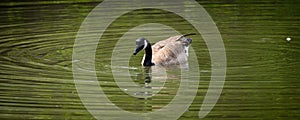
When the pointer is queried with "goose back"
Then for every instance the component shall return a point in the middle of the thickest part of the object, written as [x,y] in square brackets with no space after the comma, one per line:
[171,51]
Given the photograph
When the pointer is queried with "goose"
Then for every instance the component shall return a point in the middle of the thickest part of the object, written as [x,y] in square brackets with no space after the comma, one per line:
[171,51]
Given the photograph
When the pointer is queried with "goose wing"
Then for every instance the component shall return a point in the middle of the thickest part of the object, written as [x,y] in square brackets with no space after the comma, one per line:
[161,44]
[168,51]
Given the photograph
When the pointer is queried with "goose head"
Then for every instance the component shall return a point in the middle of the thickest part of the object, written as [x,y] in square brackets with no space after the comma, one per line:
[141,44]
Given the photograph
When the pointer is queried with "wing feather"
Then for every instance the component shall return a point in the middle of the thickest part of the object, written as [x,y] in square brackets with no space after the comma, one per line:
[168,51]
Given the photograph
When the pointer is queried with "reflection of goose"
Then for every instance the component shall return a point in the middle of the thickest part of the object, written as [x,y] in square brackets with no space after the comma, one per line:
[172,51]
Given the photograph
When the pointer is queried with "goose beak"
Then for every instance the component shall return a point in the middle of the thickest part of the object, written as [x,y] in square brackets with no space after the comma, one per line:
[137,50]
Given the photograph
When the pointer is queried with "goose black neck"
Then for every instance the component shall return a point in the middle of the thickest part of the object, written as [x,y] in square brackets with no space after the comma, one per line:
[148,56]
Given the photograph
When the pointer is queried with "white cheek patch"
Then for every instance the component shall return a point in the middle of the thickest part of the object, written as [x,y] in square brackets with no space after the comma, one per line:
[145,44]
[186,50]
[143,59]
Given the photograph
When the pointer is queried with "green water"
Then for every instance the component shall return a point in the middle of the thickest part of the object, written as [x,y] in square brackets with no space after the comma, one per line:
[262,82]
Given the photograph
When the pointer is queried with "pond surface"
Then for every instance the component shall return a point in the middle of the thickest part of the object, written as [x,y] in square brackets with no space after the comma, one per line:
[36,47]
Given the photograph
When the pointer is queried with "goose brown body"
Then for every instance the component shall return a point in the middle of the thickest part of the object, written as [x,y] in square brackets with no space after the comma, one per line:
[171,51]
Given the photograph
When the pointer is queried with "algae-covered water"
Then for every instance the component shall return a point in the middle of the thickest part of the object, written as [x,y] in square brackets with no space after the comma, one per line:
[37,44]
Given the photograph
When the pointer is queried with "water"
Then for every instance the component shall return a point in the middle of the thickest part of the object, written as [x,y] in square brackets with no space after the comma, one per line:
[36,45]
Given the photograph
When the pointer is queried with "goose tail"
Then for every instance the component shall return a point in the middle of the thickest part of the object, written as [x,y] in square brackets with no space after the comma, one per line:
[189,34]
